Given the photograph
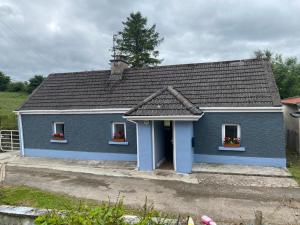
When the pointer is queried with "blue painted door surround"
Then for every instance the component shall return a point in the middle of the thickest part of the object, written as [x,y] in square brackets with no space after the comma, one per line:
[149,148]
[145,147]
[183,149]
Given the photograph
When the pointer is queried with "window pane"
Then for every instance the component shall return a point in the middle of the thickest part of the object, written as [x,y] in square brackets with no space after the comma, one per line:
[119,131]
[60,128]
[231,131]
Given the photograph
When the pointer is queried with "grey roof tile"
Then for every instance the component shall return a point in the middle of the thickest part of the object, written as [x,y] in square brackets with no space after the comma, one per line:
[229,84]
[164,102]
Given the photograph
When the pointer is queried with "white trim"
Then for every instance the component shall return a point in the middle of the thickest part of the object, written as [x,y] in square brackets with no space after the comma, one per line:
[123,110]
[227,124]
[174,146]
[137,143]
[59,141]
[153,146]
[54,127]
[113,129]
[20,126]
[184,117]
[242,109]
[118,143]
[75,111]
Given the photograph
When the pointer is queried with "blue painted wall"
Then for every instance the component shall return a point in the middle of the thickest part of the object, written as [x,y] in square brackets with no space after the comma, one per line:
[243,160]
[262,134]
[80,155]
[90,132]
[145,146]
[184,150]
[159,141]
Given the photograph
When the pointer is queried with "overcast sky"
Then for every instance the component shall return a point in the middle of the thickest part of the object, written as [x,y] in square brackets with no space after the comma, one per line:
[41,37]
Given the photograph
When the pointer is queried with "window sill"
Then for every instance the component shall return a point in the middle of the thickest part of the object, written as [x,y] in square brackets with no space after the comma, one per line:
[59,141]
[118,143]
[236,149]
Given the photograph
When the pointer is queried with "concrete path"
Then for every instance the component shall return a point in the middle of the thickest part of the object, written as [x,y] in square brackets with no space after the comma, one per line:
[227,204]
[241,170]
[206,173]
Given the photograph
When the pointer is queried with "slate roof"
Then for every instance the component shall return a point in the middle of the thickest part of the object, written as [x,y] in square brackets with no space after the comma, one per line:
[240,83]
[165,102]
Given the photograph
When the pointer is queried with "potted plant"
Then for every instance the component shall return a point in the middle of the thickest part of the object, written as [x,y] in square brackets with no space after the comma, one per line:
[58,136]
[119,136]
[232,142]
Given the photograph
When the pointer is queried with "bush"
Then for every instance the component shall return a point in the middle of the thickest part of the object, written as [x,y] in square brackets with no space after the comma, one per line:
[107,214]
[17,87]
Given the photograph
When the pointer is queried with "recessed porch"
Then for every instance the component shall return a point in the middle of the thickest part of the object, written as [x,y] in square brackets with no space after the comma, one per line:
[164,126]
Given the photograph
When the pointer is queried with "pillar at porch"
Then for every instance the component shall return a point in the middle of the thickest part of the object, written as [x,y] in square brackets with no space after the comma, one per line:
[183,152]
[145,153]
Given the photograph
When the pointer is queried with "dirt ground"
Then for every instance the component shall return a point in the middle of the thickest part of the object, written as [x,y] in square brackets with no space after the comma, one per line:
[224,202]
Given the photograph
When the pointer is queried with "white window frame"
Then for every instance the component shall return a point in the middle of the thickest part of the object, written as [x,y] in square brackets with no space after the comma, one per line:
[228,124]
[113,129]
[54,126]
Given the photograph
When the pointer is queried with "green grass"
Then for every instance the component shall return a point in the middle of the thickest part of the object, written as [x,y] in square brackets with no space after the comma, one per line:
[33,197]
[294,165]
[76,209]
[37,198]
[9,101]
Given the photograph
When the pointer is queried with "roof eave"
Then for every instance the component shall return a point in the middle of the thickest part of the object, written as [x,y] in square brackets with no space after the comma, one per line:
[177,118]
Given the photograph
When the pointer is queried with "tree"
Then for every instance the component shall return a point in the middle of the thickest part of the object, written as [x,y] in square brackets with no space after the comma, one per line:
[4,81]
[286,72]
[18,86]
[34,82]
[263,54]
[138,42]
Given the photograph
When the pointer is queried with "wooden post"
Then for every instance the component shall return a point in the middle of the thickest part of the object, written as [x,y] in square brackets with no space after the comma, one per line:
[258,217]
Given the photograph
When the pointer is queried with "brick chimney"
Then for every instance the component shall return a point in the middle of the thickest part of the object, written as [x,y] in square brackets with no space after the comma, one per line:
[118,65]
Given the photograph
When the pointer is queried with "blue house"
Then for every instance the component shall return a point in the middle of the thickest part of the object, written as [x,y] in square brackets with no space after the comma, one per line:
[163,116]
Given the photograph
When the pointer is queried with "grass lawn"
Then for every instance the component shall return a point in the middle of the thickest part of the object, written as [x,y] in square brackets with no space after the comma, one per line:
[294,165]
[34,197]
[9,101]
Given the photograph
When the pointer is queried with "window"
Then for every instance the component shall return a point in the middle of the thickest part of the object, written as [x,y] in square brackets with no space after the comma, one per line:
[119,132]
[231,134]
[58,130]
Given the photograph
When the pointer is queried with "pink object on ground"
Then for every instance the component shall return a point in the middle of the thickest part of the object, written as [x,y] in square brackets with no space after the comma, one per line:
[207,220]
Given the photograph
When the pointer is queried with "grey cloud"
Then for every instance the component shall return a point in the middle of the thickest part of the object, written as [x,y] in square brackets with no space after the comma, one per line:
[41,37]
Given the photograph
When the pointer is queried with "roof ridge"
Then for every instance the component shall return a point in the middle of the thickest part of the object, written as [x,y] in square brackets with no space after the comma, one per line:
[149,98]
[184,101]
[201,63]
[164,66]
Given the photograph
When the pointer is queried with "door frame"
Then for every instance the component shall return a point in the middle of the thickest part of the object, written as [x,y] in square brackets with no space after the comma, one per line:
[174,144]
[153,144]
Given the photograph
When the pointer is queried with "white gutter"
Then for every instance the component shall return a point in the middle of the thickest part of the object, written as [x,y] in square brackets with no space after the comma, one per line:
[242,109]
[75,111]
[123,110]
[183,118]
[20,127]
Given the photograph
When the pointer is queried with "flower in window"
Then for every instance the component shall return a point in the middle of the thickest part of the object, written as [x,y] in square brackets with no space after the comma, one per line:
[232,141]
[58,136]
[119,134]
